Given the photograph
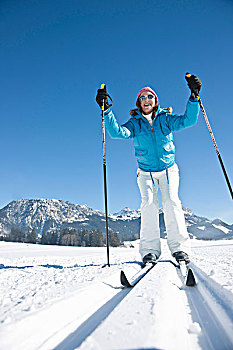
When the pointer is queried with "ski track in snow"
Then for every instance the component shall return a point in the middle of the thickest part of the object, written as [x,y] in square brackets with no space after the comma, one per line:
[216,261]
[40,285]
[31,283]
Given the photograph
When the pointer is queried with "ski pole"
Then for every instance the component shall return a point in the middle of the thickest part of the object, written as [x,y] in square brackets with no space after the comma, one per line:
[187,76]
[105,180]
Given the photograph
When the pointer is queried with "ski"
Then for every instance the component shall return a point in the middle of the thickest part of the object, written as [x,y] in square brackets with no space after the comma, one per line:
[187,274]
[137,277]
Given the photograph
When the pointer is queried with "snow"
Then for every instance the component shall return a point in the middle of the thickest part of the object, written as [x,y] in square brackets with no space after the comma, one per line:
[55,297]
[220,227]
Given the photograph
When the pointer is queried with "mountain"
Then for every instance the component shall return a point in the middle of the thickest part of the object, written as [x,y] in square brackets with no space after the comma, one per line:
[49,214]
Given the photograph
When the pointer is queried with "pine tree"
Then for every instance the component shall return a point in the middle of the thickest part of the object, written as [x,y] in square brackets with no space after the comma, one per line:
[99,239]
[31,236]
[93,238]
[85,238]
[43,238]
[114,239]
[17,235]
[65,240]
[53,238]
[70,237]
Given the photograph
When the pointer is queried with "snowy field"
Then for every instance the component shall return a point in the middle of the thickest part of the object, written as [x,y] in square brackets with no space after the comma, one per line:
[54,297]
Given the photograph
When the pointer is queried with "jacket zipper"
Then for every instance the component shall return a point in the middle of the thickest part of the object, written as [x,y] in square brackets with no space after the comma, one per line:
[149,124]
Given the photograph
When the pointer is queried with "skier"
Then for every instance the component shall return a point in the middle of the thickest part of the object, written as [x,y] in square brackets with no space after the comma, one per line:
[151,127]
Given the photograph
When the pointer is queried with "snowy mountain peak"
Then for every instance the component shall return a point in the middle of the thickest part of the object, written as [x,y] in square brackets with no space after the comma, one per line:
[126,214]
[187,211]
[41,214]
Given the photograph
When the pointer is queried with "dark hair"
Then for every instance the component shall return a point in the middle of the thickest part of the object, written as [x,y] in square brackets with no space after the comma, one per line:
[134,111]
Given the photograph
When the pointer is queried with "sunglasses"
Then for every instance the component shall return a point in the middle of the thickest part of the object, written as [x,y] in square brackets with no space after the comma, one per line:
[143,97]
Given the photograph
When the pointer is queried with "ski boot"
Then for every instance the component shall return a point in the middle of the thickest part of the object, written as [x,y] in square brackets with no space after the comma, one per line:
[149,258]
[181,256]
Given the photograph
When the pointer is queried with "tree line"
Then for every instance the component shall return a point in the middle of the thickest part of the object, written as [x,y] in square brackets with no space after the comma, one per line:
[64,236]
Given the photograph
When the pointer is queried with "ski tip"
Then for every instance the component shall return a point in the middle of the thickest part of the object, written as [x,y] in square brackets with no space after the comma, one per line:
[124,280]
[190,280]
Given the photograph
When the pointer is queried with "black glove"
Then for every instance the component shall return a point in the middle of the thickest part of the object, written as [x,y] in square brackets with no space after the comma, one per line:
[194,83]
[102,95]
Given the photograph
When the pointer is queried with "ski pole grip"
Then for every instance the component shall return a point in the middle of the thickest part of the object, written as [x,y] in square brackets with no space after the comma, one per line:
[187,76]
[103,86]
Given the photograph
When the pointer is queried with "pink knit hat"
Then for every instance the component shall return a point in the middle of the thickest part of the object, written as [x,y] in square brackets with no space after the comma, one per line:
[147,88]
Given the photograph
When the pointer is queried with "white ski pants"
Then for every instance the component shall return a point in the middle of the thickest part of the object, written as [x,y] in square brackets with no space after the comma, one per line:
[177,235]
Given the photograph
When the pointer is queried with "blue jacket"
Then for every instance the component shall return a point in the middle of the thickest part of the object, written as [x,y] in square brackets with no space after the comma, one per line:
[154,147]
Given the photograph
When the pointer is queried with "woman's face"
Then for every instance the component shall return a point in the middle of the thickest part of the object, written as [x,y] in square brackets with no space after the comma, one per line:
[147,101]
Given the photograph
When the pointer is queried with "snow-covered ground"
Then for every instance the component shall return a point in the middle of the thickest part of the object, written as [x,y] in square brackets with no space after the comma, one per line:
[54,297]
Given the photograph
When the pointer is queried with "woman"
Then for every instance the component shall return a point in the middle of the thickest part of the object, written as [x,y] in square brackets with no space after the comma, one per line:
[151,129]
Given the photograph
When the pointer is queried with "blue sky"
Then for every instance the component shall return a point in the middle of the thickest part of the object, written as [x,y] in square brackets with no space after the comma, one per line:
[54,56]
